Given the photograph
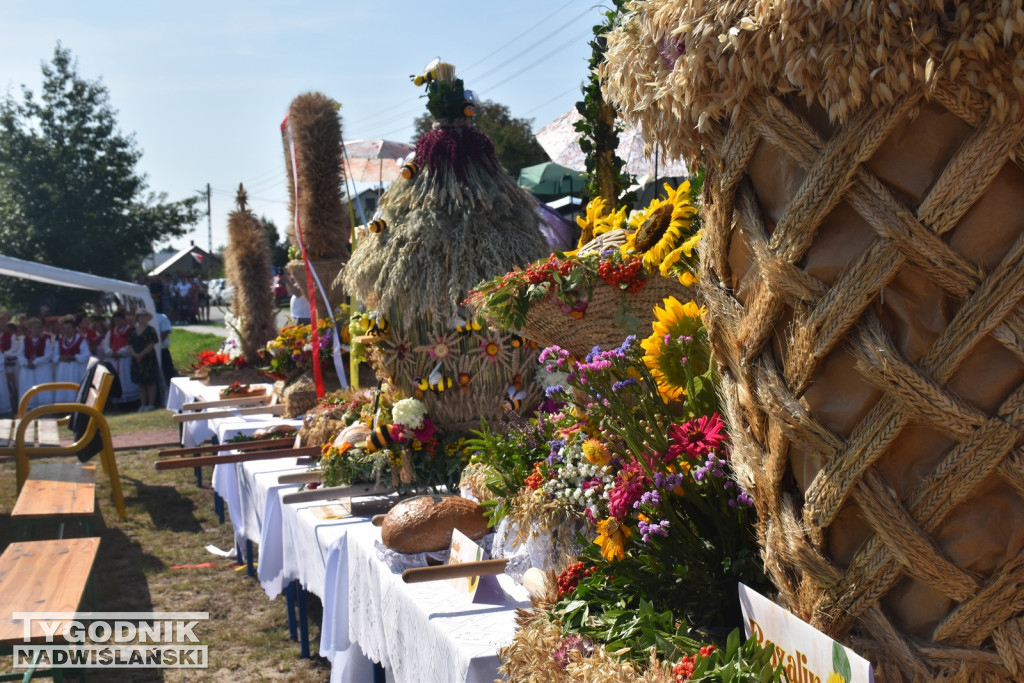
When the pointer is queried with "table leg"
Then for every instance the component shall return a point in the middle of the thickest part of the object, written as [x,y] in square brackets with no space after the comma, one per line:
[303,621]
[250,569]
[218,507]
[289,597]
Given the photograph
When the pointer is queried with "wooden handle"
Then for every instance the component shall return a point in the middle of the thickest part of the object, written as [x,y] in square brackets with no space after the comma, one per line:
[332,492]
[300,477]
[277,409]
[225,402]
[229,446]
[455,571]
[226,458]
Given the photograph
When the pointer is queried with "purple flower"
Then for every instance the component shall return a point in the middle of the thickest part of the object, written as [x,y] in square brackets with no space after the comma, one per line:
[623,384]
[550,391]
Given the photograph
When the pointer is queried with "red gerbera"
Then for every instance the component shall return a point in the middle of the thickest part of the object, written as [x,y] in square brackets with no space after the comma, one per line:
[698,437]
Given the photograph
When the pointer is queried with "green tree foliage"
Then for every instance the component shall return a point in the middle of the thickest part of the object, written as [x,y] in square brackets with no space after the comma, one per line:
[513,138]
[70,193]
[278,247]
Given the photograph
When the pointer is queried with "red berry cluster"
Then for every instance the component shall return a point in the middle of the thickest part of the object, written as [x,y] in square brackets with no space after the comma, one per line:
[535,480]
[536,274]
[570,578]
[619,274]
[683,671]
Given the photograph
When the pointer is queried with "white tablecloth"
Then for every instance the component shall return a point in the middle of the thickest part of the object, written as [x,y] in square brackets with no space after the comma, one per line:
[185,390]
[419,632]
[248,489]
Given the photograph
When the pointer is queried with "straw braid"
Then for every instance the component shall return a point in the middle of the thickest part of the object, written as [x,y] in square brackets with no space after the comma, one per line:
[776,327]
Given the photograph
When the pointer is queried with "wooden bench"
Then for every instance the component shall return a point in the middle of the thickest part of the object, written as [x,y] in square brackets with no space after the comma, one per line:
[24,447]
[42,576]
[56,493]
[39,433]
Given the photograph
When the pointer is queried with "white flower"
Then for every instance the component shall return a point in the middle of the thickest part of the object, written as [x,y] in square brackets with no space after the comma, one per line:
[409,413]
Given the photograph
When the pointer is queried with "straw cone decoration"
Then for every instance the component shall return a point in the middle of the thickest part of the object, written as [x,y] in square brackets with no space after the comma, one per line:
[315,126]
[863,261]
[457,221]
[247,263]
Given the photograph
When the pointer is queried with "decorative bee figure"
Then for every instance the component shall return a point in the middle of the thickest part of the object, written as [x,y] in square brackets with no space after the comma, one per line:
[377,226]
[429,74]
[380,437]
[514,400]
[410,169]
[379,325]
[435,381]
[469,109]
[462,327]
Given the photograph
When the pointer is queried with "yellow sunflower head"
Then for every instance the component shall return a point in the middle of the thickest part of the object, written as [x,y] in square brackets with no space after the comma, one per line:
[669,359]
[661,226]
[679,260]
[599,219]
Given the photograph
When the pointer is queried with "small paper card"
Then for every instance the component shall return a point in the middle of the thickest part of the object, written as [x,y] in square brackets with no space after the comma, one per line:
[464,550]
[331,511]
[807,654]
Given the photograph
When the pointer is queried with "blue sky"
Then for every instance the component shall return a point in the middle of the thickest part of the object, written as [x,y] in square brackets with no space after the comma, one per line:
[204,86]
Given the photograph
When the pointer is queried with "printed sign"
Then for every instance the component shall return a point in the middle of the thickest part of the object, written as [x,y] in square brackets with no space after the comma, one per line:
[464,550]
[807,655]
[332,511]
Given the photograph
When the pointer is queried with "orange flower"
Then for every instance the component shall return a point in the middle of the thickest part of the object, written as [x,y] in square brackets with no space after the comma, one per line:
[612,537]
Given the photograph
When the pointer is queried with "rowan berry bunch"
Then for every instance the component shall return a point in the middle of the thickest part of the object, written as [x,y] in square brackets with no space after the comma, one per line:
[570,578]
[627,275]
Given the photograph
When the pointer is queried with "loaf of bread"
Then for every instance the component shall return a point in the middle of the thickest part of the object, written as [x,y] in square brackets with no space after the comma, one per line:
[425,524]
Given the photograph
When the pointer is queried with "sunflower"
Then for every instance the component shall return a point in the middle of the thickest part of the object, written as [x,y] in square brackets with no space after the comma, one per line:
[599,219]
[659,228]
[666,356]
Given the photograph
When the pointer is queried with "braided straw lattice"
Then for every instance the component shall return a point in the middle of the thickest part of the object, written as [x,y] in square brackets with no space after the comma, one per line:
[872,347]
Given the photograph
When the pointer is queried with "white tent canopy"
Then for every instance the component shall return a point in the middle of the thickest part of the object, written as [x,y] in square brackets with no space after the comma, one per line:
[39,272]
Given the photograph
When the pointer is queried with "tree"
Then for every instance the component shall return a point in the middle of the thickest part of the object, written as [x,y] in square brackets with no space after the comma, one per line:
[513,138]
[70,194]
[278,248]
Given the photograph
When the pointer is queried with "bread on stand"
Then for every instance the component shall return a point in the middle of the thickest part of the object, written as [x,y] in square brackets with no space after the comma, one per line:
[425,524]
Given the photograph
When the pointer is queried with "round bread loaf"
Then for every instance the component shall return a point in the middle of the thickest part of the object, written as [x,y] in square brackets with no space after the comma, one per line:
[425,524]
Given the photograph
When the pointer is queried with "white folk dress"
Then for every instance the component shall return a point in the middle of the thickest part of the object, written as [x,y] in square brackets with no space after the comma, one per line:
[39,351]
[73,370]
[9,344]
[115,349]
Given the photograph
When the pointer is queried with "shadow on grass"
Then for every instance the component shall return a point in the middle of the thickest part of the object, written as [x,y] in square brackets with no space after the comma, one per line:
[165,505]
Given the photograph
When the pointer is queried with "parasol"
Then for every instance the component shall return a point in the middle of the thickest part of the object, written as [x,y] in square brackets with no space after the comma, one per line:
[560,140]
[375,161]
[550,179]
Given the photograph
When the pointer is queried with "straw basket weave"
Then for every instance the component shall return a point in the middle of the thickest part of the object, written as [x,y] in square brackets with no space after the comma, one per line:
[547,324]
[863,263]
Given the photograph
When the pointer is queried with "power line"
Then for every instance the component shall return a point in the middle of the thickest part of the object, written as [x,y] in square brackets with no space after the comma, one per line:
[502,47]
[529,47]
[547,102]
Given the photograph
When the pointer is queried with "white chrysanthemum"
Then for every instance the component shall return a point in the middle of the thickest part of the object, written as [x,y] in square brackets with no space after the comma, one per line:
[409,413]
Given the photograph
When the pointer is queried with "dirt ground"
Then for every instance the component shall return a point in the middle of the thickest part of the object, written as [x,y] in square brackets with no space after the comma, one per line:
[170,522]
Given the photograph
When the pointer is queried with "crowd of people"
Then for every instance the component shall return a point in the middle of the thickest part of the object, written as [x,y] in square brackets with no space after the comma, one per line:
[183,299]
[57,349]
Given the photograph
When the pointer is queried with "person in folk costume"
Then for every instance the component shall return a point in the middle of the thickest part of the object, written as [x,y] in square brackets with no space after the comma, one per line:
[70,357]
[35,363]
[115,348]
[9,342]
[97,332]
[145,368]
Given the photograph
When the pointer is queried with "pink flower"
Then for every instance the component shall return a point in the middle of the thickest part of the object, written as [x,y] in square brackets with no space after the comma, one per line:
[697,438]
[425,432]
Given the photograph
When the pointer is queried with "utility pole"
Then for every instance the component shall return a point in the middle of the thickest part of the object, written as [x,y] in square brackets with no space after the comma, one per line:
[209,222]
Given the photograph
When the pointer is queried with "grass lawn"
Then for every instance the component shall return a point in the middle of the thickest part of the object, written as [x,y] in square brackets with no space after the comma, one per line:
[185,345]
[170,521]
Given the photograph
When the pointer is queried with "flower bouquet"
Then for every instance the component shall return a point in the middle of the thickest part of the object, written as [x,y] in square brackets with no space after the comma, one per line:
[384,439]
[291,353]
[217,367]
[672,531]
[240,390]
[603,291]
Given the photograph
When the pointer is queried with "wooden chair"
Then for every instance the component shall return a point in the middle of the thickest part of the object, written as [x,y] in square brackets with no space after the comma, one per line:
[25,446]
